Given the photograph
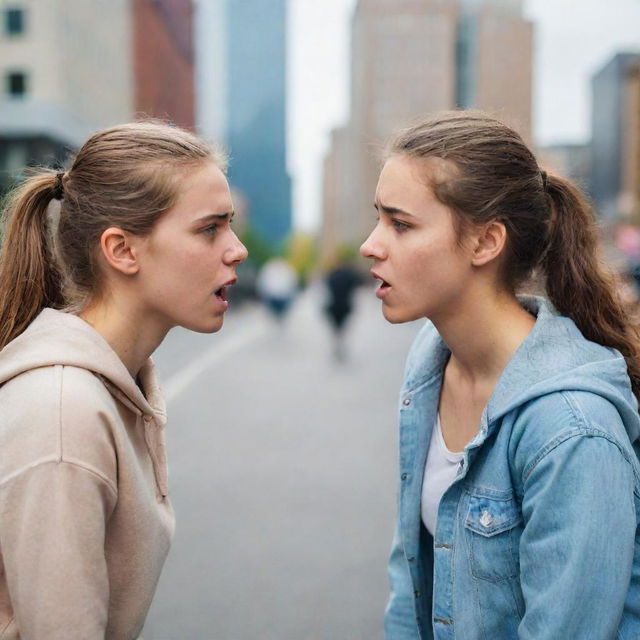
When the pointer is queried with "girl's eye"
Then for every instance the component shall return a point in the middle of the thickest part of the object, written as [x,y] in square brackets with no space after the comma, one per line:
[399,226]
[210,230]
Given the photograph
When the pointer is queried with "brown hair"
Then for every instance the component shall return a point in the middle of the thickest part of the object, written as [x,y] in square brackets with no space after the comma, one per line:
[126,176]
[550,225]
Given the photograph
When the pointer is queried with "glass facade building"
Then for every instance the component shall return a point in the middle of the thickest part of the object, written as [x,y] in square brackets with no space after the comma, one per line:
[256,114]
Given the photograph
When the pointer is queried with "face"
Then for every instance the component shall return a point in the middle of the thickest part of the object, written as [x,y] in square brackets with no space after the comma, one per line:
[422,269]
[190,257]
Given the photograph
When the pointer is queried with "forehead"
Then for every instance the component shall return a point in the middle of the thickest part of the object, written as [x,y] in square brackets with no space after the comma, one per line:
[203,190]
[405,184]
[406,179]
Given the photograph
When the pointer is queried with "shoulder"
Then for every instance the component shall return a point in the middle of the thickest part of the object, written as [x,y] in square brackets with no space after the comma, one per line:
[545,423]
[57,413]
[561,412]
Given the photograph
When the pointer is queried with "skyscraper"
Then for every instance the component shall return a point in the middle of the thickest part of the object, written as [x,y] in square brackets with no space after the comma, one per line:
[243,104]
[409,58]
[256,114]
[615,145]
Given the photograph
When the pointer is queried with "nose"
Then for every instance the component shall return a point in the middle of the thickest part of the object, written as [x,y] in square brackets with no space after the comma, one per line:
[372,247]
[237,252]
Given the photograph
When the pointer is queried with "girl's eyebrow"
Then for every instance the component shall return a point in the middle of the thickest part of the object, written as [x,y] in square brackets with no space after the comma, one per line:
[391,210]
[216,216]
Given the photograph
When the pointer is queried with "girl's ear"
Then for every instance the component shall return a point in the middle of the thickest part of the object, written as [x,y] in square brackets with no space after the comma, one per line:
[489,243]
[119,251]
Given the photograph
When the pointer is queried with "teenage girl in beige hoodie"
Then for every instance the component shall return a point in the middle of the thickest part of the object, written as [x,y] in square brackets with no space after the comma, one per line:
[142,243]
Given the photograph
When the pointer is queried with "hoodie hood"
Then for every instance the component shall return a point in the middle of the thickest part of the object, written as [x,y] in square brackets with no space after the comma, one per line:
[59,338]
[555,356]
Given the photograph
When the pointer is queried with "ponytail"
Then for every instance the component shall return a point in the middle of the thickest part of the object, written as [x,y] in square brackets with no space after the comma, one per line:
[29,277]
[576,283]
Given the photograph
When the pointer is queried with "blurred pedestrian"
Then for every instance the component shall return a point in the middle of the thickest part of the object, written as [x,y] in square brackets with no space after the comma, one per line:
[142,244]
[519,506]
[341,283]
[277,284]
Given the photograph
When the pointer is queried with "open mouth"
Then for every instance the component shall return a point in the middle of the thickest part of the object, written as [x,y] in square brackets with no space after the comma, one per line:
[384,286]
[221,293]
[383,283]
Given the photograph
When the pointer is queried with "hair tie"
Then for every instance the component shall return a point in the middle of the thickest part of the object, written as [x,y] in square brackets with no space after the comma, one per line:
[543,175]
[58,188]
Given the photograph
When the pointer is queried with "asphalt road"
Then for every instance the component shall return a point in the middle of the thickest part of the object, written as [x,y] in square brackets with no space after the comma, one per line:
[282,475]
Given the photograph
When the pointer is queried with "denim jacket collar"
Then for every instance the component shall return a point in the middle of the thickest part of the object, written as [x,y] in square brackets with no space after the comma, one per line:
[578,364]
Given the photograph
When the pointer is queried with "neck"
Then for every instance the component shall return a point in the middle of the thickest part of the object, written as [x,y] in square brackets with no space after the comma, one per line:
[132,337]
[483,333]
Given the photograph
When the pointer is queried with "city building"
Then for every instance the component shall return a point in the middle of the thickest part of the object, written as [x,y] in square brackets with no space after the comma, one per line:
[242,103]
[163,60]
[64,74]
[339,228]
[631,148]
[615,145]
[210,31]
[410,58]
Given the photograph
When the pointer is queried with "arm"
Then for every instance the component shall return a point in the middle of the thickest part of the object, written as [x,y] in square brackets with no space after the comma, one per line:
[52,533]
[577,546]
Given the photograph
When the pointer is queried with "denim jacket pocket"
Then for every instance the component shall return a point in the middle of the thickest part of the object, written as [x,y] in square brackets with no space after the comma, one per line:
[492,534]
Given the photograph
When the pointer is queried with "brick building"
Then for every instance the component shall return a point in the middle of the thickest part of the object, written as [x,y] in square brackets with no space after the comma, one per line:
[163,60]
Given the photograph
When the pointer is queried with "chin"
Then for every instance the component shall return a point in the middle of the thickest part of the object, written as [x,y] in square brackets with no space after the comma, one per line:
[212,326]
[398,316]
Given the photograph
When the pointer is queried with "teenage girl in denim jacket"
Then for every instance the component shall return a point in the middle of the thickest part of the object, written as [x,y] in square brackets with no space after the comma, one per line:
[519,503]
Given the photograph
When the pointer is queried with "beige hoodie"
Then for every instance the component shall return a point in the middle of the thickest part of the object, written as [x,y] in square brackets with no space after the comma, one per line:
[85,522]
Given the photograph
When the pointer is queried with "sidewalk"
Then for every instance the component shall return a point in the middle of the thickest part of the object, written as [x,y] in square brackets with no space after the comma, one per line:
[282,472]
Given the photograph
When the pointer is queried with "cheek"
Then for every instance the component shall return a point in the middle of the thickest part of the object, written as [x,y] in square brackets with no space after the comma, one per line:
[177,265]
[437,261]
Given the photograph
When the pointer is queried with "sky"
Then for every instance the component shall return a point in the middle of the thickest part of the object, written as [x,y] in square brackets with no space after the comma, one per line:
[573,40]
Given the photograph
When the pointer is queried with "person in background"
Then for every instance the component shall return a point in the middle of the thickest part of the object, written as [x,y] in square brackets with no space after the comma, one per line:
[519,503]
[136,241]
[277,284]
[341,283]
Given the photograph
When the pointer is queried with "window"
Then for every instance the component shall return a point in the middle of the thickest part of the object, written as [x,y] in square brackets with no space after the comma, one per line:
[17,84]
[14,21]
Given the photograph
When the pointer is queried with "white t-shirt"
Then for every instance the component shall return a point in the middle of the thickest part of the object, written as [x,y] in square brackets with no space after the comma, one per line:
[440,471]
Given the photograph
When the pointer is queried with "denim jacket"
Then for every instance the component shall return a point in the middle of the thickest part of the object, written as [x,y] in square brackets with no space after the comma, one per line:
[538,537]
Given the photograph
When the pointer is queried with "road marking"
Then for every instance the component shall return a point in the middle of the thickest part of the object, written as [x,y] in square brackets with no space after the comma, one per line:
[181,380]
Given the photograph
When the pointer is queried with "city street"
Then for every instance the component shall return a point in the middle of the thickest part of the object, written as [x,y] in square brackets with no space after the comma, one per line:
[282,474]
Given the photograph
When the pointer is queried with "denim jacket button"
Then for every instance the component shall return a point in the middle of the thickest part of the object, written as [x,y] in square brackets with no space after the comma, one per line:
[406,402]
[486,519]
[404,476]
